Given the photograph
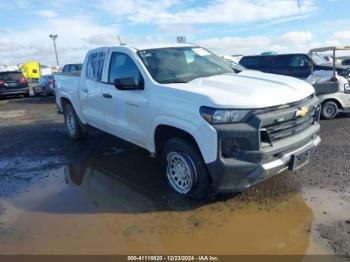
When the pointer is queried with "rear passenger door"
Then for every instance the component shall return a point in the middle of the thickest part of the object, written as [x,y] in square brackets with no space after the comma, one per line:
[90,90]
[281,65]
[300,66]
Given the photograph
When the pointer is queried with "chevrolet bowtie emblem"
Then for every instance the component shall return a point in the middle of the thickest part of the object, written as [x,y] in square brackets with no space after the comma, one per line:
[301,111]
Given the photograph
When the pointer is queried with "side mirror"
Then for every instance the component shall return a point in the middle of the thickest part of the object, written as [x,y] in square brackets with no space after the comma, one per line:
[128,83]
[347,88]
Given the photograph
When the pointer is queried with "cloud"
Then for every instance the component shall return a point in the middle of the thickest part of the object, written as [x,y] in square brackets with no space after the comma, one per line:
[76,35]
[102,39]
[342,36]
[286,43]
[47,13]
[216,12]
[297,38]
[236,45]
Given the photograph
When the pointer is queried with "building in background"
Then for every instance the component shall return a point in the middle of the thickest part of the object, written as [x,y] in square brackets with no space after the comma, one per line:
[181,39]
[9,68]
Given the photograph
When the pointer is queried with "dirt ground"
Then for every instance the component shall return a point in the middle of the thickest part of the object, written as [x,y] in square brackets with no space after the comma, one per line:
[106,196]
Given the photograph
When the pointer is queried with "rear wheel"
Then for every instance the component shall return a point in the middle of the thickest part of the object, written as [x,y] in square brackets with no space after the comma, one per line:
[185,169]
[72,123]
[329,110]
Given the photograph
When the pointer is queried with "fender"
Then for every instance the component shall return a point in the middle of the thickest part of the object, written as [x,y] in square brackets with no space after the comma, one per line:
[331,97]
[68,96]
[204,135]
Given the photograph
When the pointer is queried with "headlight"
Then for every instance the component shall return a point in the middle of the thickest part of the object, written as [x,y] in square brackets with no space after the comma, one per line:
[223,116]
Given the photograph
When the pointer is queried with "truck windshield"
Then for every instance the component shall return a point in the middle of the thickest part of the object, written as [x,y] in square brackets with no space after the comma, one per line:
[181,65]
[319,60]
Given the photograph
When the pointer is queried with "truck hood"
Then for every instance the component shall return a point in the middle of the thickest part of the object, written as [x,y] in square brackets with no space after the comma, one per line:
[248,89]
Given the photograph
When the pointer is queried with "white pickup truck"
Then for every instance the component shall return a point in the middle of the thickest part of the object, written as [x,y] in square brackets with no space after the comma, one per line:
[217,131]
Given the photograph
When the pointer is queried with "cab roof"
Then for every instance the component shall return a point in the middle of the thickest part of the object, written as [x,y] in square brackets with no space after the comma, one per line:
[141,47]
[159,45]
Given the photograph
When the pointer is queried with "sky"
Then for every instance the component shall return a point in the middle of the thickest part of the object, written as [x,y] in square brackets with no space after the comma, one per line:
[227,27]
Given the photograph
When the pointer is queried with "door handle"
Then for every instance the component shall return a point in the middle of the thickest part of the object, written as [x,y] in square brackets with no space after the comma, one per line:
[106,95]
[85,90]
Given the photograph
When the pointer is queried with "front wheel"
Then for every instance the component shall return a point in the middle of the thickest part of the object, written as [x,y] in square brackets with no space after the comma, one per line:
[329,110]
[185,169]
[72,123]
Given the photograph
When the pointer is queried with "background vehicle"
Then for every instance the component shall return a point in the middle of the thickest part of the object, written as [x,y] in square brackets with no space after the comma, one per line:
[13,83]
[33,70]
[346,61]
[296,65]
[46,86]
[72,68]
[216,131]
[334,90]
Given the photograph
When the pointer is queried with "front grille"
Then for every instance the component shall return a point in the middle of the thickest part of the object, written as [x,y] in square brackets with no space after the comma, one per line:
[279,130]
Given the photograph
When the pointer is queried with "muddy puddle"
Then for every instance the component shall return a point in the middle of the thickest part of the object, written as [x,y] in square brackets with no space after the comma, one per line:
[119,204]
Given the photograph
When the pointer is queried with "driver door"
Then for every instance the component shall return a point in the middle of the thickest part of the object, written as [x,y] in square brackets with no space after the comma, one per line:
[124,110]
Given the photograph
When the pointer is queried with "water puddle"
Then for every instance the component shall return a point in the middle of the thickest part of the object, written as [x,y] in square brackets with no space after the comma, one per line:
[118,204]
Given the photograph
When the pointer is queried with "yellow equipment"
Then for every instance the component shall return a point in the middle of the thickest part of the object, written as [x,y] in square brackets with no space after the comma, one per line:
[31,70]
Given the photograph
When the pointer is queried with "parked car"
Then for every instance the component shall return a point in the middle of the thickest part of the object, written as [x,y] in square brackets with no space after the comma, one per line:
[332,89]
[13,83]
[346,62]
[45,87]
[72,68]
[216,131]
[296,65]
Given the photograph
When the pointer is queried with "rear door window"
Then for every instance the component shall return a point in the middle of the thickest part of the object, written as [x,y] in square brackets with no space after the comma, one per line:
[95,66]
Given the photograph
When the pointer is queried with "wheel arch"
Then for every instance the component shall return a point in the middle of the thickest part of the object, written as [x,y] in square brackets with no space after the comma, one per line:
[198,131]
[333,99]
[164,132]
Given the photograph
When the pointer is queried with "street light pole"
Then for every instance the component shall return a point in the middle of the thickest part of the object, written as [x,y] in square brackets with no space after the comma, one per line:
[53,37]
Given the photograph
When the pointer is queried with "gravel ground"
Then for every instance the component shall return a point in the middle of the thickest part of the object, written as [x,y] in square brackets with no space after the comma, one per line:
[32,139]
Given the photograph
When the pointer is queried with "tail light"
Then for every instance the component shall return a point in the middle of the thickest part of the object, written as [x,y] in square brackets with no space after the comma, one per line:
[2,82]
[23,80]
[52,83]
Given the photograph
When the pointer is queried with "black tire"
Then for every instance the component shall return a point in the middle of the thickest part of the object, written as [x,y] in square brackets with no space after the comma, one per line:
[72,123]
[329,110]
[45,93]
[201,186]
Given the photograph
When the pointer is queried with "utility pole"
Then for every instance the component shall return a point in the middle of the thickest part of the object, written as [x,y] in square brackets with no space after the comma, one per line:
[53,37]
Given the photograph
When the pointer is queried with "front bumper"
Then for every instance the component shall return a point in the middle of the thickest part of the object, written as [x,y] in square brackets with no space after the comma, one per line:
[231,175]
[251,152]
